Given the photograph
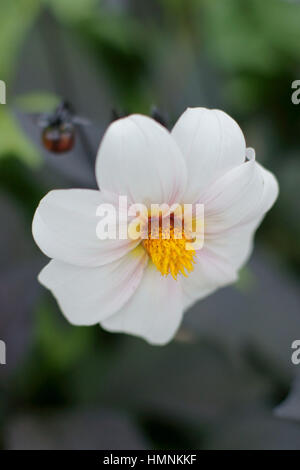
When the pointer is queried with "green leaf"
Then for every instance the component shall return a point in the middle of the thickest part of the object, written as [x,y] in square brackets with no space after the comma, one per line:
[37,102]
[73,10]
[15,20]
[13,141]
[61,345]
[246,280]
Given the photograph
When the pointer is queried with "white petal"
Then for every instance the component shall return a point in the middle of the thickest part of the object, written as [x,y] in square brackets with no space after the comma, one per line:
[239,197]
[154,312]
[211,272]
[212,143]
[234,206]
[270,192]
[228,244]
[87,295]
[235,245]
[139,158]
[64,227]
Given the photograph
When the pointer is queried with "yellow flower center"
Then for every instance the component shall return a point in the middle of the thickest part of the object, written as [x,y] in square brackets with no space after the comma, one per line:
[167,247]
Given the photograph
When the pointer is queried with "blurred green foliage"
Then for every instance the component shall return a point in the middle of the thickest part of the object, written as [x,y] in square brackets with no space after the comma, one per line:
[242,55]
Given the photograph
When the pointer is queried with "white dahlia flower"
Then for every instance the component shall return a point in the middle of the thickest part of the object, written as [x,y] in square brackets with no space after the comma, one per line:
[144,286]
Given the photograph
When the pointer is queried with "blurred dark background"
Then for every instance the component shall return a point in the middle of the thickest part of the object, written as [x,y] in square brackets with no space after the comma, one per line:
[227,380]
